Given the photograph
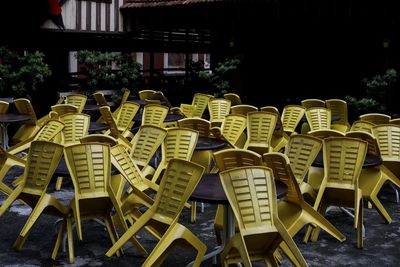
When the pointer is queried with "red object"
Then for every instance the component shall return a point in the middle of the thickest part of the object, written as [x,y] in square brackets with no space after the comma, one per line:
[54,7]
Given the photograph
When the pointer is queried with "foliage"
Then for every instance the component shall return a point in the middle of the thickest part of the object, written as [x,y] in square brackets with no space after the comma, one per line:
[21,74]
[106,70]
[218,79]
[377,94]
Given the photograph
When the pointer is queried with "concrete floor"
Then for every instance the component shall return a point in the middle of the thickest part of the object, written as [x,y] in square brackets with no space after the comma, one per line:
[382,243]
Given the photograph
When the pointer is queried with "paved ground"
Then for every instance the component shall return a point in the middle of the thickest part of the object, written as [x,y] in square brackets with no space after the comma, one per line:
[382,241]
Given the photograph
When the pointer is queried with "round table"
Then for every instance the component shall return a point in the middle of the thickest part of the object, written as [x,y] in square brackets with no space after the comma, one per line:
[97,126]
[5,120]
[370,161]
[169,118]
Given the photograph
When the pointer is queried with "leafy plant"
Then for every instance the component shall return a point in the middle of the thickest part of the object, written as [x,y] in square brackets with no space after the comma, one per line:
[21,74]
[377,96]
[218,78]
[106,70]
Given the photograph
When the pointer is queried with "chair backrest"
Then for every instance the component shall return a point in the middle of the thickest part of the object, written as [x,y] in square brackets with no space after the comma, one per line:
[233,126]
[49,130]
[112,126]
[126,166]
[203,126]
[62,109]
[145,94]
[301,151]
[243,109]
[325,133]
[177,184]
[291,116]
[99,138]
[43,159]
[271,109]
[313,103]
[338,107]
[343,161]
[318,118]
[252,196]
[218,109]
[179,143]
[234,98]
[75,127]
[126,114]
[361,125]
[395,121]
[146,142]
[125,95]
[200,101]
[373,146]
[100,99]
[77,100]
[154,114]
[187,110]
[89,165]
[282,170]
[4,107]
[376,118]
[233,158]
[24,106]
[260,128]
[388,137]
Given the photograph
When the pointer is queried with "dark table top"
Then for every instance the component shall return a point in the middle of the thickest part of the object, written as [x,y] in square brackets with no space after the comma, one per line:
[169,118]
[208,143]
[95,107]
[7,99]
[12,117]
[96,126]
[143,103]
[210,190]
[370,161]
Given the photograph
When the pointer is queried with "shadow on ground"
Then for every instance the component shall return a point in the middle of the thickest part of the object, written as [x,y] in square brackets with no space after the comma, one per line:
[381,244]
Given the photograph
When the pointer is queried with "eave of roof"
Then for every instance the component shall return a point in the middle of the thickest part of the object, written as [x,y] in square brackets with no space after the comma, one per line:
[165,3]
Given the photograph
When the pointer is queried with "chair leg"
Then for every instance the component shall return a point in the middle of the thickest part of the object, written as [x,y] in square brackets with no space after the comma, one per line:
[291,245]
[71,253]
[112,232]
[59,239]
[360,238]
[20,241]
[193,212]
[380,208]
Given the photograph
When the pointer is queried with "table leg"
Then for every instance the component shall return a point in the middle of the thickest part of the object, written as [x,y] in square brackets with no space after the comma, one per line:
[4,135]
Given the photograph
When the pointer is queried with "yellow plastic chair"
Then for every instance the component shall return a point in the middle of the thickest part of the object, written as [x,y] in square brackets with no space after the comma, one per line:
[43,159]
[49,131]
[30,127]
[395,121]
[145,145]
[234,98]
[291,116]
[124,118]
[343,160]
[225,160]
[7,161]
[338,107]
[124,98]
[361,125]
[200,101]
[4,107]
[136,197]
[372,179]
[62,109]
[203,126]
[313,103]
[99,138]
[145,94]
[293,210]
[232,130]
[154,114]
[375,118]
[112,126]
[318,118]
[218,108]
[279,138]
[77,100]
[243,109]
[100,99]
[179,143]
[89,165]
[252,197]
[179,181]
[75,127]
[302,150]
[260,128]
[388,137]
[187,110]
